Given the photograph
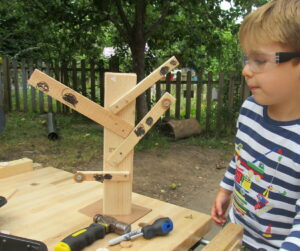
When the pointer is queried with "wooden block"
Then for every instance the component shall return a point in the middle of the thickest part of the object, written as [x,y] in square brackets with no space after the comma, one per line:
[229,239]
[118,195]
[79,103]
[15,167]
[141,129]
[142,86]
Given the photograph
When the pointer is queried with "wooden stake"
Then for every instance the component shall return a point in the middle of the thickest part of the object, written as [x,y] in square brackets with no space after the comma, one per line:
[117,195]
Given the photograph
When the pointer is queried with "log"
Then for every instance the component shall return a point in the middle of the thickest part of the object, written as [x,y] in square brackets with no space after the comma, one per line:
[180,129]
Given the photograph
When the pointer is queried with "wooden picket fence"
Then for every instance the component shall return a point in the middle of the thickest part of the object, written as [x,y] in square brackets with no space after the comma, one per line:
[213,100]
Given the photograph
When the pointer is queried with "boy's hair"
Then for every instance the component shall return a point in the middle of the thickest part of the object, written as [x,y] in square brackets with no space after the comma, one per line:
[276,21]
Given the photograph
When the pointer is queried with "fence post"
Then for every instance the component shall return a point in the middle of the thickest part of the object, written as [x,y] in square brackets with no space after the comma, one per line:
[168,89]
[198,97]
[220,103]
[7,88]
[188,95]
[178,95]
[208,101]
[24,84]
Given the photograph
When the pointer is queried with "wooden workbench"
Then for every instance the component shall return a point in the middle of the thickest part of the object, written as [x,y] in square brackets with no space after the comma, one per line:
[47,205]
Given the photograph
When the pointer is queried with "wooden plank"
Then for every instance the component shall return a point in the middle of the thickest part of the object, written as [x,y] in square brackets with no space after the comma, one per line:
[93,87]
[101,82]
[32,91]
[118,195]
[188,95]
[141,129]
[168,89]
[24,85]
[178,95]
[230,238]
[103,176]
[15,167]
[74,75]
[220,103]
[16,84]
[58,77]
[199,97]
[157,91]
[50,193]
[79,103]
[143,85]
[83,78]
[6,84]
[41,95]
[208,101]
[49,99]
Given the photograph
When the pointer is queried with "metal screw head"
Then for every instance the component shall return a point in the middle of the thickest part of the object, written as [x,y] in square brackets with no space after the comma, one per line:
[166,103]
[78,177]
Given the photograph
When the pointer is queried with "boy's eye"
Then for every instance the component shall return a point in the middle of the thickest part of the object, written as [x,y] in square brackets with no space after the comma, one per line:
[260,61]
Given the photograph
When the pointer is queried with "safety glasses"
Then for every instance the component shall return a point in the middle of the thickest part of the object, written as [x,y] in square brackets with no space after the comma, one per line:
[260,62]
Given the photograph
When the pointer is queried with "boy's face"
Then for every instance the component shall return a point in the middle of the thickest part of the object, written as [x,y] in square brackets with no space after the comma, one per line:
[275,85]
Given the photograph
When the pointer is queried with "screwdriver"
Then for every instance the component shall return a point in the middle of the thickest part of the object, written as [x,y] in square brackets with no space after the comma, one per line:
[160,227]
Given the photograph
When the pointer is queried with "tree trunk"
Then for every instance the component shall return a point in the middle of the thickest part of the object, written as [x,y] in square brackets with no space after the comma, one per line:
[138,56]
[137,46]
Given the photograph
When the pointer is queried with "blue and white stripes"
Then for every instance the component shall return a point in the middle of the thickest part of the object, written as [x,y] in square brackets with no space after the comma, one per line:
[264,176]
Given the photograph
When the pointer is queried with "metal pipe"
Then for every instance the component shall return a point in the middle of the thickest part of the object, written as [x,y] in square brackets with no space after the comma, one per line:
[52,134]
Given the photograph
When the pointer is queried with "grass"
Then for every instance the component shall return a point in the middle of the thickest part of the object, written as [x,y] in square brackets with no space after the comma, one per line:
[80,141]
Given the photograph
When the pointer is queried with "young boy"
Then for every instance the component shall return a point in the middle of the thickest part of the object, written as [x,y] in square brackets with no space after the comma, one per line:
[263,179]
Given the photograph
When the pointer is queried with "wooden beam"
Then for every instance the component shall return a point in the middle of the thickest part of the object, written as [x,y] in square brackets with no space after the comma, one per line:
[141,129]
[117,198]
[143,85]
[79,103]
[15,167]
[80,176]
[229,239]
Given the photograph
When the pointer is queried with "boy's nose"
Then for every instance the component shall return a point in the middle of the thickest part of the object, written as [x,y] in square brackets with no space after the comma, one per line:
[247,71]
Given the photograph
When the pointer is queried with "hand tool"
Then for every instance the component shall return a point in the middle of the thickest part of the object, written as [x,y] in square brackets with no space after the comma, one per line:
[3,201]
[82,238]
[15,243]
[160,227]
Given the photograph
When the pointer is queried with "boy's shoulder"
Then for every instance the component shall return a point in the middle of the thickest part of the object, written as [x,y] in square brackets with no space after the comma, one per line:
[250,106]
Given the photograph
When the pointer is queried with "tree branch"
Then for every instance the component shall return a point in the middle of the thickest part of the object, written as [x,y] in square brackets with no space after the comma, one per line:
[123,16]
[160,20]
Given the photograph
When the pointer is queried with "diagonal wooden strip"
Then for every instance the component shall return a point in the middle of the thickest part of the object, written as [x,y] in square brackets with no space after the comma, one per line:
[143,85]
[79,103]
[141,129]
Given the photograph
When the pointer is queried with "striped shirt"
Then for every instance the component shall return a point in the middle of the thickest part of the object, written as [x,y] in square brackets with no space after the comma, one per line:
[264,176]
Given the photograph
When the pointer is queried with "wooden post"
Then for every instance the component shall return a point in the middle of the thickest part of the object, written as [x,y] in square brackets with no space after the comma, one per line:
[198,97]
[117,195]
[208,101]
[24,85]
[16,84]
[6,84]
[178,95]
[188,95]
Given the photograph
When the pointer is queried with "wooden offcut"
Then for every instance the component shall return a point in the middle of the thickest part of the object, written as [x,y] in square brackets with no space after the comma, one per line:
[15,167]
[180,129]
[79,103]
[229,239]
